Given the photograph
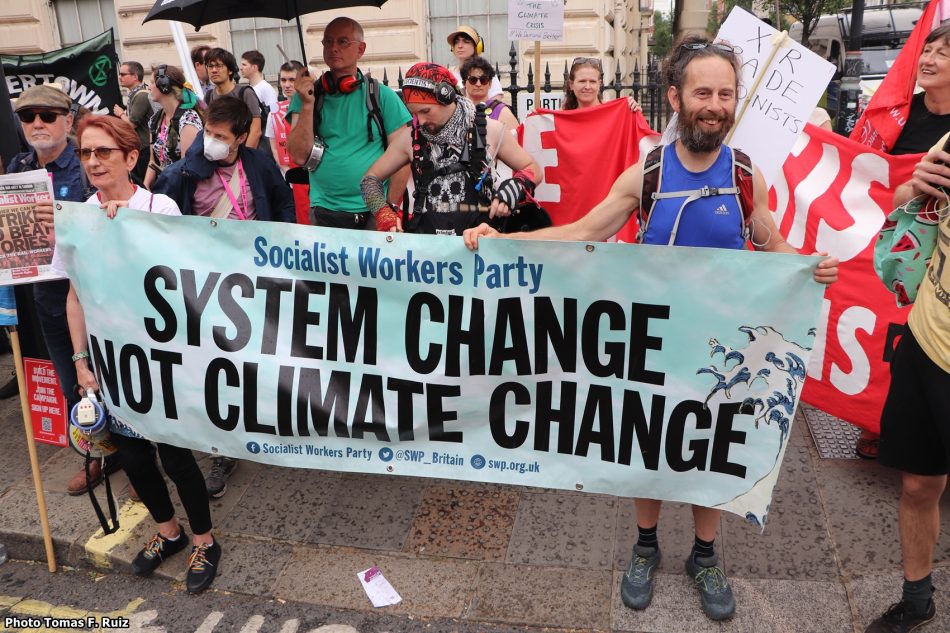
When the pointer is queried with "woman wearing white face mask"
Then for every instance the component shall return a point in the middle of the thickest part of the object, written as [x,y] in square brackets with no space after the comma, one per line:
[222,178]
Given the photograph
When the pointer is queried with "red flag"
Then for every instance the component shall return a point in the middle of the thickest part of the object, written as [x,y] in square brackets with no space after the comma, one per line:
[581,153]
[881,122]
[833,197]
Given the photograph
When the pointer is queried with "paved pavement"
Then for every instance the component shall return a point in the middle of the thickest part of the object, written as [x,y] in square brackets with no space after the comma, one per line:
[495,556]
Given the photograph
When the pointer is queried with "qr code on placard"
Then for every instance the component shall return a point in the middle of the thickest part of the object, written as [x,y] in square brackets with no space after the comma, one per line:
[47,425]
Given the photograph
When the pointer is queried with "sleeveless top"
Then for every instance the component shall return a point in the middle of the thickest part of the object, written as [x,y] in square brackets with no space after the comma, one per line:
[713,221]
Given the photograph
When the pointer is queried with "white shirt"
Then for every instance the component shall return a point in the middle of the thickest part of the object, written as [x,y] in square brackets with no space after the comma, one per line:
[141,200]
[267,94]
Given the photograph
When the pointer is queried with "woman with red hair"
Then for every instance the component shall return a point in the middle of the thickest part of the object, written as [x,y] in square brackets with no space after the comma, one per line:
[108,150]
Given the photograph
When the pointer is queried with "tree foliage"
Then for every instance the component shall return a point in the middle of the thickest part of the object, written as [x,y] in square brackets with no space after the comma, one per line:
[662,33]
[805,11]
[808,11]
[716,19]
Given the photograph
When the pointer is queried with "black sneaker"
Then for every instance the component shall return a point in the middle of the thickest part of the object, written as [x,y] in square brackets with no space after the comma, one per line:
[714,590]
[217,479]
[157,550]
[636,586]
[202,567]
[901,617]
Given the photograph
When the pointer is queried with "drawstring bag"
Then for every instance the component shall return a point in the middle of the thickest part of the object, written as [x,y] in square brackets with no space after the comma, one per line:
[906,243]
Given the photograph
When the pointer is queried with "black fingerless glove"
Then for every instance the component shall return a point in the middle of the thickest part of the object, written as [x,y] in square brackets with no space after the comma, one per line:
[516,189]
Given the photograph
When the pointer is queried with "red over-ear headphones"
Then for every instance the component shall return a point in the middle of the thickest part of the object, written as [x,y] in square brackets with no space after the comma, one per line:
[344,85]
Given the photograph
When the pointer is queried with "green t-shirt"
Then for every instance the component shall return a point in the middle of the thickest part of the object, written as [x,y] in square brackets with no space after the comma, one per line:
[335,185]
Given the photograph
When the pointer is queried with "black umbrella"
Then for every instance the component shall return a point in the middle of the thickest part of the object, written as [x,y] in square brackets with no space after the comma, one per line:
[199,13]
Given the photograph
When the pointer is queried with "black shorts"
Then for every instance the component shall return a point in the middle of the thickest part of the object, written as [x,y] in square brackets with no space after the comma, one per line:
[915,423]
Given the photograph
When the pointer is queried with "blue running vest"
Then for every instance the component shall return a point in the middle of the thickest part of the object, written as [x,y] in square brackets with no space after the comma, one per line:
[713,221]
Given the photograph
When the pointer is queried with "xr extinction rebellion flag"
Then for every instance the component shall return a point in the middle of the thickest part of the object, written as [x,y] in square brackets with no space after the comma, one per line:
[88,72]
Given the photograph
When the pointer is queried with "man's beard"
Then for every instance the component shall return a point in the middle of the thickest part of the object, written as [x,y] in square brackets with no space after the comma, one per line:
[696,138]
[47,144]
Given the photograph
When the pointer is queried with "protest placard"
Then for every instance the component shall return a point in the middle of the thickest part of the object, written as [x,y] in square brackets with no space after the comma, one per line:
[788,80]
[539,20]
[47,404]
[549,101]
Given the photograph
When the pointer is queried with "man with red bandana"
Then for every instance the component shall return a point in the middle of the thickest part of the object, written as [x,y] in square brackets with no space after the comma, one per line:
[452,150]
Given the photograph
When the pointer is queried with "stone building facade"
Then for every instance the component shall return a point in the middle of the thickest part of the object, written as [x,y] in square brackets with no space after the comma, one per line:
[398,34]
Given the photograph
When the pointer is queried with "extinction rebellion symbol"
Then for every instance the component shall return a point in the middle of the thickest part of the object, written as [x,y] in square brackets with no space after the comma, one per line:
[100,69]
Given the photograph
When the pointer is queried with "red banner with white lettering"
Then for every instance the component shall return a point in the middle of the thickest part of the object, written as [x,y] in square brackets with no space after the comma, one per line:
[832,197]
[582,152]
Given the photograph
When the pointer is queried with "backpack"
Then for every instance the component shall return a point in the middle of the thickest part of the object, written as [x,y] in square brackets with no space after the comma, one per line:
[265,110]
[375,113]
[171,140]
[742,188]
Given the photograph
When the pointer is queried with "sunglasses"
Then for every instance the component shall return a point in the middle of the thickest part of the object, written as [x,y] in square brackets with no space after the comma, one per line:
[482,79]
[593,61]
[46,116]
[720,46]
[102,153]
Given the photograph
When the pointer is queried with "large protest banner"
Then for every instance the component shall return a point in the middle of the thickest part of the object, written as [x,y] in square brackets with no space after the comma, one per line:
[664,372]
[88,72]
[833,197]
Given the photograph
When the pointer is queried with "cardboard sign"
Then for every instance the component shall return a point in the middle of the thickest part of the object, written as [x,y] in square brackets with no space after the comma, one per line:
[47,405]
[789,89]
[540,20]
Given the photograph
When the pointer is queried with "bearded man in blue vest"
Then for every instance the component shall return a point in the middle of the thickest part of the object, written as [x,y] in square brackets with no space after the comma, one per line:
[699,204]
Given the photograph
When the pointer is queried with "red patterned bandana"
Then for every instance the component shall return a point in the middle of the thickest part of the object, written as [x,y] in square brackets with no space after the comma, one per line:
[421,79]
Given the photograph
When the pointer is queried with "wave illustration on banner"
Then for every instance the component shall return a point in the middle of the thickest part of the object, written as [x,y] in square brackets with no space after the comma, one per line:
[743,377]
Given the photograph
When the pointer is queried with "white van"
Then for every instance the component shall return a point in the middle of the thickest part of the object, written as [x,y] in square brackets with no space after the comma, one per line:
[885,27]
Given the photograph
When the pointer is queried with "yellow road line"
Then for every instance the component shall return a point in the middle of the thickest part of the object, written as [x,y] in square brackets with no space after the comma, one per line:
[38,608]
[99,545]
